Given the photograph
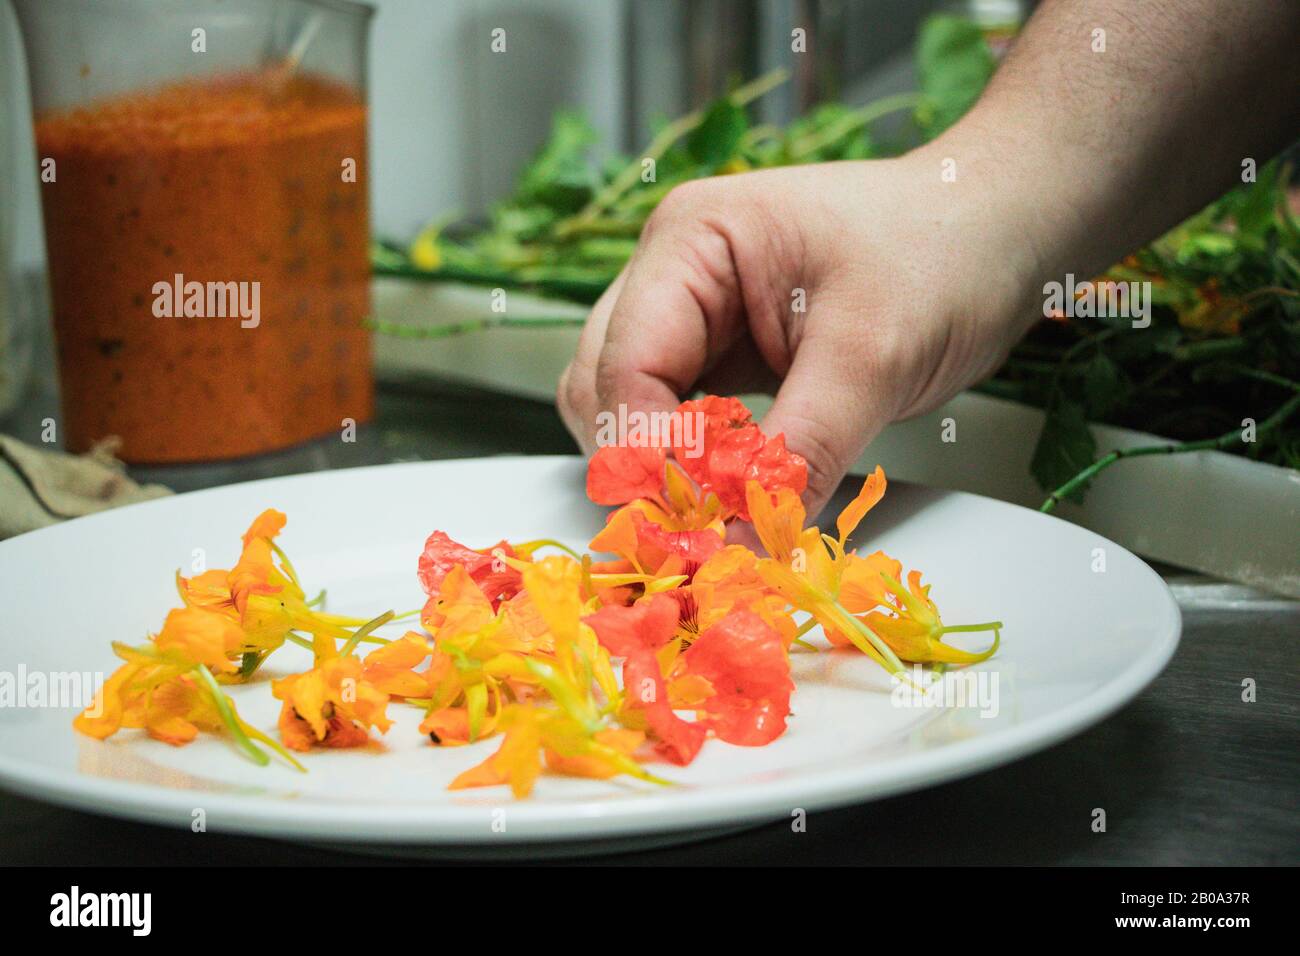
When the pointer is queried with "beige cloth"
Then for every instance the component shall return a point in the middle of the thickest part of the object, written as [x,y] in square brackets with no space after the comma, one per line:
[40,487]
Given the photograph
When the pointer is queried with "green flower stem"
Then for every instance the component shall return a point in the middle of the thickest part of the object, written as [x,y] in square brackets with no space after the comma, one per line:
[363,631]
[233,723]
[562,282]
[1226,440]
[1209,349]
[971,628]
[273,744]
[669,135]
[550,542]
[805,627]
[288,565]
[443,331]
[853,122]
[299,640]
[864,633]
[1262,376]
[629,766]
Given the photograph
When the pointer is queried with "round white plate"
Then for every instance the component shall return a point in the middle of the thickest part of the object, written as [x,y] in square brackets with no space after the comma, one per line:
[1087,626]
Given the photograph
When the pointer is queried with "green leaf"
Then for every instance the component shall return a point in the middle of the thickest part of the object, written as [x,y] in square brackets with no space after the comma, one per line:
[954,65]
[1065,447]
[715,140]
[1104,386]
[560,176]
[523,222]
[1255,202]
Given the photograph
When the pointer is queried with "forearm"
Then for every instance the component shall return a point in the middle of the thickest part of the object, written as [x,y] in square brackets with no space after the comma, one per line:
[1088,154]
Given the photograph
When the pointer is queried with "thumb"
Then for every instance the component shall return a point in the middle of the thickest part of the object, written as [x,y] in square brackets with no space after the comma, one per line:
[828,409]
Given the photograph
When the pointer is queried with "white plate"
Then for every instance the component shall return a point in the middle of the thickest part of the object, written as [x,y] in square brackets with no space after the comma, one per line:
[1078,643]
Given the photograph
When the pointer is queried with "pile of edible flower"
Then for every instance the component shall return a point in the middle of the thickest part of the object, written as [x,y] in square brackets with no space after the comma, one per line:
[581,665]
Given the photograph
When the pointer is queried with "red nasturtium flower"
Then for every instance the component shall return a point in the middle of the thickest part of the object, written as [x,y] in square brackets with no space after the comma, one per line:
[735,676]
[637,634]
[744,661]
[619,474]
[731,452]
[736,452]
[494,577]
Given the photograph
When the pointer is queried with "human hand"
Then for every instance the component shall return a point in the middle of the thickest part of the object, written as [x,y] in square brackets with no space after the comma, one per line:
[867,291]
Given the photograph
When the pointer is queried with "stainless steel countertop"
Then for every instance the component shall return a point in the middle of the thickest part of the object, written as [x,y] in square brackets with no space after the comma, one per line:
[1188,773]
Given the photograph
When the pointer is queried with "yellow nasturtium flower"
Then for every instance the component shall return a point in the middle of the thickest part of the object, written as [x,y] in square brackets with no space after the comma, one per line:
[856,599]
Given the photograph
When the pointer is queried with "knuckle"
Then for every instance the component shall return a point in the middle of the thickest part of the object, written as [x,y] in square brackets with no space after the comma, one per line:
[683,203]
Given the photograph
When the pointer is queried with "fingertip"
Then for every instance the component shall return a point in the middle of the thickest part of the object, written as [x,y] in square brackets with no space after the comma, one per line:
[827,423]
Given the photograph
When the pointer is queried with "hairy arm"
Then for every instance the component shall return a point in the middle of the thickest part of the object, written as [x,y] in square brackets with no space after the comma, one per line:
[1107,148]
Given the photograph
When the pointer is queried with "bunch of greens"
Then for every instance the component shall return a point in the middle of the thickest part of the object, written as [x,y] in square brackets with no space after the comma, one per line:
[1223,345]
[572,223]
[1217,368]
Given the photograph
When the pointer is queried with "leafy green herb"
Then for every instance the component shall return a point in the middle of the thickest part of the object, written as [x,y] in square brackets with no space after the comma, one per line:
[559,178]
[1065,447]
[717,138]
[954,64]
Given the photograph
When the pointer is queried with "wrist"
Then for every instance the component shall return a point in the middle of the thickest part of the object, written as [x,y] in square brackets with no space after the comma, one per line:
[1004,244]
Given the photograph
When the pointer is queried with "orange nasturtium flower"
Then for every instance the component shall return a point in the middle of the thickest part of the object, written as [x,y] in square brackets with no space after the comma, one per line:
[391,667]
[480,662]
[477,664]
[842,589]
[650,547]
[167,686]
[568,745]
[262,594]
[915,630]
[230,623]
[727,581]
[331,705]
[575,733]
[806,567]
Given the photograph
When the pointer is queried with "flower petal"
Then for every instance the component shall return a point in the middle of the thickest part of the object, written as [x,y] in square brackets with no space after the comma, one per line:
[745,661]
[618,474]
[873,489]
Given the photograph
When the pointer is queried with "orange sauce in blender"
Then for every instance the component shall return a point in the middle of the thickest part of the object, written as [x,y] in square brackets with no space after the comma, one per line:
[238,179]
